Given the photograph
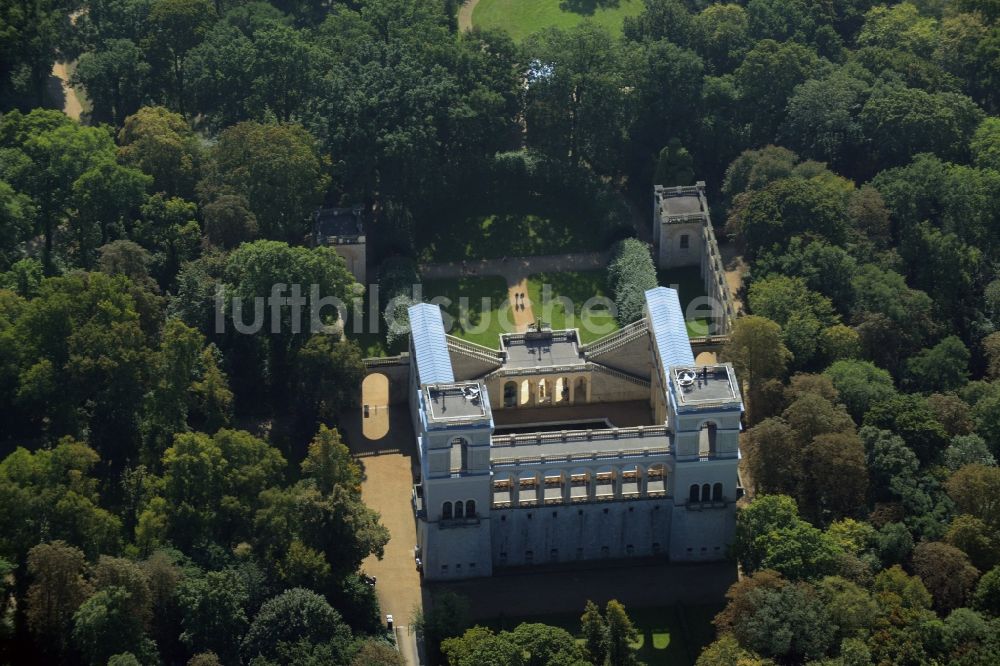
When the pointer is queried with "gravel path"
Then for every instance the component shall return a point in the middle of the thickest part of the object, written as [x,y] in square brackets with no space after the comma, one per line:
[515,269]
[525,316]
[465,15]
[71,103]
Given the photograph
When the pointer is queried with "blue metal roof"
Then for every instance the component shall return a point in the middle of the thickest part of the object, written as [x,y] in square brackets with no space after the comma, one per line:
[669,329]
[430,348]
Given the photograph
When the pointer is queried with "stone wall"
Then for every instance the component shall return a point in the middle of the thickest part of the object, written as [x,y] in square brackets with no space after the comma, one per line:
[397,371]
[627,350]
[356,258]
[592,531]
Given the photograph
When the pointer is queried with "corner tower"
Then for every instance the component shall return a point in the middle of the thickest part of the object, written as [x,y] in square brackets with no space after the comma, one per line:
[702,407]
[453,423]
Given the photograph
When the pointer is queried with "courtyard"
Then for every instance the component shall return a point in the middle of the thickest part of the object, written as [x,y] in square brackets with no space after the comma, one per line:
[568,291]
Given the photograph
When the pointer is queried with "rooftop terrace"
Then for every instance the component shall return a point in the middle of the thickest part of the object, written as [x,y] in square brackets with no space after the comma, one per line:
[704,385]
[682,205]
[682,202]
[458,401]
[330,224]
[541,349]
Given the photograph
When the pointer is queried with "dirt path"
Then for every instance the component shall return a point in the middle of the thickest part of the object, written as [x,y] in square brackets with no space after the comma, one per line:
[465,15]
[735,268]
[525,316]
[71,103]
[385,447]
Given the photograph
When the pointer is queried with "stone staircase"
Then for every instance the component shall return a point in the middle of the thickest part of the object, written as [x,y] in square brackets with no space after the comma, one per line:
[617,340]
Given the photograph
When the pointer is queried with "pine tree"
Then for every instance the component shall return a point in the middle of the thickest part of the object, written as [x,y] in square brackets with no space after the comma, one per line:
[621,634]
[595,632]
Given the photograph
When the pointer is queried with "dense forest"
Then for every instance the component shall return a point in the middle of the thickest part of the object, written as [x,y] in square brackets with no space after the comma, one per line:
[174,494]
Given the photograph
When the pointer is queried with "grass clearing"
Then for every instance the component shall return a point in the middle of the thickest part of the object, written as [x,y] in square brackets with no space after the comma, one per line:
[476,308]
[587,307]
[521,18]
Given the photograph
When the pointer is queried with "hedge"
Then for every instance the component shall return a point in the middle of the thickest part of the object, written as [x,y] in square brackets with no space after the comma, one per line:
[630,274]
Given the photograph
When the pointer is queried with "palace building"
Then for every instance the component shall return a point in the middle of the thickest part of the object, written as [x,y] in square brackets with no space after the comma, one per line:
[548,451]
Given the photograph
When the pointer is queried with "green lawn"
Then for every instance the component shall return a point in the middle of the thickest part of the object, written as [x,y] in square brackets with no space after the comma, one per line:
[687,281]
[480,321]
[521,18]
[511,234]
[668,636]
[477,308]
[594,321]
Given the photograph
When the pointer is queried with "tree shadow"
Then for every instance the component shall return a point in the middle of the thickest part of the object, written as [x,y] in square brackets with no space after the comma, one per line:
[586,7]
[55,96]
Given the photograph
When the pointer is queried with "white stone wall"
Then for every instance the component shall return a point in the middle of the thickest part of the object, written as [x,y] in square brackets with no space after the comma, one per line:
[671,252]
[703,530]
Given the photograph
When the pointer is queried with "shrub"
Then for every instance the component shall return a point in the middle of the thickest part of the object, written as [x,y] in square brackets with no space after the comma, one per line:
[630,274]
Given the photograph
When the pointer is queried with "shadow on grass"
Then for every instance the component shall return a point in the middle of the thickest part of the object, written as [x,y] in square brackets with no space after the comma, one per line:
[586,7]
[476,308]
[668,635]
[524,228]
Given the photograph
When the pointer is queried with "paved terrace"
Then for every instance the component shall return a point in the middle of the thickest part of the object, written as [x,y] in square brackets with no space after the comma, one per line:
[544,349]
[621,414]
[578,445]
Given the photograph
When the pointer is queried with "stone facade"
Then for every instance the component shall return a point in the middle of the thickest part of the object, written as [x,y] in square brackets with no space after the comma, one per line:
[509,478]
[683,236]
[343,230]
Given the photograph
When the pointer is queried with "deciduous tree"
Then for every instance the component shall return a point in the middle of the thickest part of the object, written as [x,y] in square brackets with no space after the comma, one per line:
[277,168]
[58,588]
[946,572]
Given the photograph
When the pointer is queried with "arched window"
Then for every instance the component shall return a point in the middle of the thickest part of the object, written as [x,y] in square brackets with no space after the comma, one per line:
[510,394]
[459,454]
[470,508]
[446,511]
[706,493]
[717,492]
[459,509]
[693,495]
[706,440]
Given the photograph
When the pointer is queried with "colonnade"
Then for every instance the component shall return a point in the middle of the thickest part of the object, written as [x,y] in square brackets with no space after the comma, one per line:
[537,391]
[579,485]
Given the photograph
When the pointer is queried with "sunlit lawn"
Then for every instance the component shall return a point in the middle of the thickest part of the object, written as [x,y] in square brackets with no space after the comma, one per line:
[481,321]
[587,309]
[476,308]
[521,18]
